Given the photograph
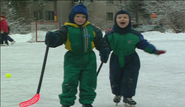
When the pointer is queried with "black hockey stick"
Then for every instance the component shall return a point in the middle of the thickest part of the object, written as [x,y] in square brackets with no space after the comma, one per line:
[43,68]
[36,98]
[99,68]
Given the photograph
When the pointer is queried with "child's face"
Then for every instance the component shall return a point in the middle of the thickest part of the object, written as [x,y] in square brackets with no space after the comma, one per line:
[80,19]
[122,20]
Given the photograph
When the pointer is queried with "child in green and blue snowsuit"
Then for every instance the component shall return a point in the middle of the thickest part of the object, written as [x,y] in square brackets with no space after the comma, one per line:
[124,61]
[80,60]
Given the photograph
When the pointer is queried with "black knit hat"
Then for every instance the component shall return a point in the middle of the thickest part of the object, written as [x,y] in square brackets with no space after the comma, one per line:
[122,30]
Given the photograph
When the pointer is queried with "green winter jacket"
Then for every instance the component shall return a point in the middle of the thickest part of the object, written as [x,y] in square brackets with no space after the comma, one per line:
[124,45]
[80,38]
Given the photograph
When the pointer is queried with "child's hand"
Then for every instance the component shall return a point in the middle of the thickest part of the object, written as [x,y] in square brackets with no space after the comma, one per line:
[104,54]
[159,52]
[52,38]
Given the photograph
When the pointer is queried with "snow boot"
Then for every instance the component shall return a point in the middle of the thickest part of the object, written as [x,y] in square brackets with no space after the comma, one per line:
[129,101]
[87,105]
[12,42]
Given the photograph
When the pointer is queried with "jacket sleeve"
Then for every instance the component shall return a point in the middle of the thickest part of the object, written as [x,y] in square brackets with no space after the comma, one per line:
[99,40]
[145,45]
[4,26]
[61,35]
[106,37]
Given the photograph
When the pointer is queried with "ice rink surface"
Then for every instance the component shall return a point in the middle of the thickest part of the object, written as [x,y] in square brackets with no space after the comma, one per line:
[161,81]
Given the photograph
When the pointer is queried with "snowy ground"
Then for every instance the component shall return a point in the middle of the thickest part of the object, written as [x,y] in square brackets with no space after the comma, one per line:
[161,81]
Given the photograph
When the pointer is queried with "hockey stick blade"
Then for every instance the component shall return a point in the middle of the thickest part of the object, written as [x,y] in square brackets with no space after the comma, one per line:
[30,102]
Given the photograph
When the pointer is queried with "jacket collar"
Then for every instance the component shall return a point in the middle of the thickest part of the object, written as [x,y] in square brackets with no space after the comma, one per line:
[75,25]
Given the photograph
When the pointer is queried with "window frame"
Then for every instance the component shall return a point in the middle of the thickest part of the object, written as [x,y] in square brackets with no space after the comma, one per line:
[109,16]
[37,15]
[50,15]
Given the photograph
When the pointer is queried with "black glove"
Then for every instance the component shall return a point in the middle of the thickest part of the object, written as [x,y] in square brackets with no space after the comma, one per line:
[104,54]
[52,38]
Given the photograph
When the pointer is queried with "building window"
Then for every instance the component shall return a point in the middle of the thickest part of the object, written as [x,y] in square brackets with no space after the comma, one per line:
[3,13]
[49,15]
[75,1]
[109,1]
[37,15]
[109,16]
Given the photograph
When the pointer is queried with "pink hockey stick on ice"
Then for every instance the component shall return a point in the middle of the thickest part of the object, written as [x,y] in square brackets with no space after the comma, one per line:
[36,98]
[30,102]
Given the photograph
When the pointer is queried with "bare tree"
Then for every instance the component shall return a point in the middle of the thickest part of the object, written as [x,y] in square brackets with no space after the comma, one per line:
[100,22]
[85,2]
[19,21]
[170,13]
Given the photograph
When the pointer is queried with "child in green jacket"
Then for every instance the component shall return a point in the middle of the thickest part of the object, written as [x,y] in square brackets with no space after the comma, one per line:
[79,37]
[124,61]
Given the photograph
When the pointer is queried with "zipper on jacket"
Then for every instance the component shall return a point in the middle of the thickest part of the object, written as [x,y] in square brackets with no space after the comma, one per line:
[86,39]
[81,30]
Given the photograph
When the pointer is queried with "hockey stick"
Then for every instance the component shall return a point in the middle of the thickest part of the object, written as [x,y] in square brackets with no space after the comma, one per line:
[99,68]
[36,98]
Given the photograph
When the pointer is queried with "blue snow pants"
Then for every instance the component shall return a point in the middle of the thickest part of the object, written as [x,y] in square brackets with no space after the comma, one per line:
[3,38]
[123,80]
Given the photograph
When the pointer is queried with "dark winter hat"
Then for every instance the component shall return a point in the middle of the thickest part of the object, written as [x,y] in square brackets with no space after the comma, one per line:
[78,9]
[3,16]
[122,30]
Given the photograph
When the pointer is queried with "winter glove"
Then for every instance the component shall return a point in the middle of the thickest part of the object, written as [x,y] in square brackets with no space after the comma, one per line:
[104,54]
[159,52]
[52,38]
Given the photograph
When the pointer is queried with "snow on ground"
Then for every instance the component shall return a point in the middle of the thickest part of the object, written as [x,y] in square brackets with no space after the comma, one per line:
[161,81]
